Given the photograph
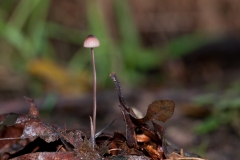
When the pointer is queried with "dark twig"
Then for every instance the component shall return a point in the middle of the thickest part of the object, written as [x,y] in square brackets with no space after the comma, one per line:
[102,130]
[130,126]
[118,88]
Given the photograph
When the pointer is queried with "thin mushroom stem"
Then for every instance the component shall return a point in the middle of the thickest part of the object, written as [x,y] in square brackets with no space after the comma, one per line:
[94,92]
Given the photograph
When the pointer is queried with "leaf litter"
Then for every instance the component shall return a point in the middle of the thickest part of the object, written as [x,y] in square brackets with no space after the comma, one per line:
[31,138]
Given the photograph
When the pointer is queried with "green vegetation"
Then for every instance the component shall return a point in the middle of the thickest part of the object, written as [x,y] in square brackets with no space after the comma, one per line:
[225,109]
[26,34]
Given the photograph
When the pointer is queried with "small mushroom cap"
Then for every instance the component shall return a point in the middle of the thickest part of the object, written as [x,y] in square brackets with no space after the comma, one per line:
[91,42]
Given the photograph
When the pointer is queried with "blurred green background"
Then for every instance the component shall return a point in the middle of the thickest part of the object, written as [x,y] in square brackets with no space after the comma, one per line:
[149,44]
[41,42]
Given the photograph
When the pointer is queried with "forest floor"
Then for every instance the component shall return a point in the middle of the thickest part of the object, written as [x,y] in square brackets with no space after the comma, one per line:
[74,112]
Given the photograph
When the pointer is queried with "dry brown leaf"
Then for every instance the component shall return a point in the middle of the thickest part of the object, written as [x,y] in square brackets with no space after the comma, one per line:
[159,110]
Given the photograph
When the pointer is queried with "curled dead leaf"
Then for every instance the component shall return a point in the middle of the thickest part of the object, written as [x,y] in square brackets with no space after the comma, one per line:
[160,110]
[142,138]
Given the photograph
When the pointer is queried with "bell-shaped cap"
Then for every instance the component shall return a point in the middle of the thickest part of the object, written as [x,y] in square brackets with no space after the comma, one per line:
[91,42]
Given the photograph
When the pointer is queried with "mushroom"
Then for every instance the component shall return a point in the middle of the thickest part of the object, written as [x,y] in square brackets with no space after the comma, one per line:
[92,42]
